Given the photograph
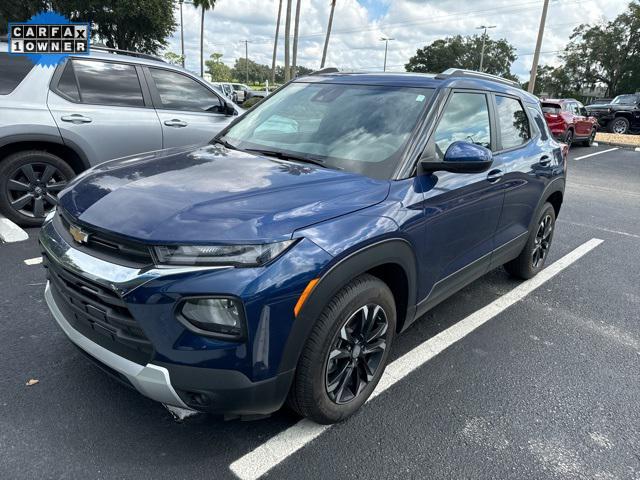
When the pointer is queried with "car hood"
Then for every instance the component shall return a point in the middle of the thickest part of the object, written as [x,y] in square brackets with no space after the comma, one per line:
[212,193]
[607,106]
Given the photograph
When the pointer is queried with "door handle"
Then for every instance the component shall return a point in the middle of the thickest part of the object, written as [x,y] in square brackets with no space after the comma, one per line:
[495,175]
[545,161]
[175,122]
[75,118]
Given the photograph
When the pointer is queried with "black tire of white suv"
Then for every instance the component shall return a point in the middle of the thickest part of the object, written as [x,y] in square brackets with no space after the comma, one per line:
[29,184]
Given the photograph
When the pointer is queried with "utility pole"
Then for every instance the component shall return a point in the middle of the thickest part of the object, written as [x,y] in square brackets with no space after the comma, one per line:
[181,32]
[536,55]
[484,39]
[386,41]
[246,60]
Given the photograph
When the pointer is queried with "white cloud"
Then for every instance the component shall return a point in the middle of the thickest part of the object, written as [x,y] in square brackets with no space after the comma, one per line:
[358,25]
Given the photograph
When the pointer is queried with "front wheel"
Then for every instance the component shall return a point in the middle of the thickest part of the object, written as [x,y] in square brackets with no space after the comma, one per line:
[346,352]
[619,125]
[532,258]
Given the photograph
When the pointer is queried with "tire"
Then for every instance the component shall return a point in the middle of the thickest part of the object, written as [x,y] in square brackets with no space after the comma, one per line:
[619,125]
[589,141]
[26,196]
[319,391]
[533,256]
[568,137]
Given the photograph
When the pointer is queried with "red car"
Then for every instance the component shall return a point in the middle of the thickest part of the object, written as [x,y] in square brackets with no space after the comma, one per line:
[569,121]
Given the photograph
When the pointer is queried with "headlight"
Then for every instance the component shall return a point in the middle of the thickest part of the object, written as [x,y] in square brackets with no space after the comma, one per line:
[218,316]
[234,255]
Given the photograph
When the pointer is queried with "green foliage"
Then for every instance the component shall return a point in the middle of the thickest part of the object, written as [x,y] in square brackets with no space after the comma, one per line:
[257,73]
[608,53]
[554,82]
[219,71]
[173,58]
[142,26]
[464,52]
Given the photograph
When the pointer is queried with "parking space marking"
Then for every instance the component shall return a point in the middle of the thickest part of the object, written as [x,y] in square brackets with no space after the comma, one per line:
[10,232]
[602,229]
[33,261]
[596,153]
[275,450]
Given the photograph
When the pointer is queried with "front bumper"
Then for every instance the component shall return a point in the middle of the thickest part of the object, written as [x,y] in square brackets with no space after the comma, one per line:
[151,380]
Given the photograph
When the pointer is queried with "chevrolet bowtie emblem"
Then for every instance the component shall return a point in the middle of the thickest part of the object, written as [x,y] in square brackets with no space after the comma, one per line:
[78,234]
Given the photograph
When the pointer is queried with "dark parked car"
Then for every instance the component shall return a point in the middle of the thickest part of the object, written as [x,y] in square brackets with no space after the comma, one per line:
[280,262]
[621,116]
[569,121]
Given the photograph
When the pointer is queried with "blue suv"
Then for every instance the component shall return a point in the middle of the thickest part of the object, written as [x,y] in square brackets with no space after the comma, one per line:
[278,263]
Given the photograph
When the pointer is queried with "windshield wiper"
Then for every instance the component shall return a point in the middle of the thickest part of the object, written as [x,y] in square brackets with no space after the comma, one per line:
[225,143]
[286,156]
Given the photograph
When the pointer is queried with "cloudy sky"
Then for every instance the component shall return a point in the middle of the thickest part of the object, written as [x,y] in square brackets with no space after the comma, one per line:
[359,24]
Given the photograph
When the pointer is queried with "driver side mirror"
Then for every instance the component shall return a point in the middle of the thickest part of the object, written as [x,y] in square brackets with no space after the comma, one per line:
[229,109]
[461,157]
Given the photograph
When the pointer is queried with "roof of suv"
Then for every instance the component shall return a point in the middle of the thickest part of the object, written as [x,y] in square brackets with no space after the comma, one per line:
[473,80]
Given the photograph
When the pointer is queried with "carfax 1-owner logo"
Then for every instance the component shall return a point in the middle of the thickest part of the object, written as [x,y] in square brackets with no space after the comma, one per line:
[47,38]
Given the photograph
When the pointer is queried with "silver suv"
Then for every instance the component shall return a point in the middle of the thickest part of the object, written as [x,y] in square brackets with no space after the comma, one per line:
[57,122]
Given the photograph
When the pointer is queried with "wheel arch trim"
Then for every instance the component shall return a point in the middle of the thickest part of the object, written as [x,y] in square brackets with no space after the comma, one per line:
[336,275]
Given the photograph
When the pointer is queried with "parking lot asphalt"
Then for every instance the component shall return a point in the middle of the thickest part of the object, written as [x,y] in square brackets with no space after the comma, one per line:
[546,388]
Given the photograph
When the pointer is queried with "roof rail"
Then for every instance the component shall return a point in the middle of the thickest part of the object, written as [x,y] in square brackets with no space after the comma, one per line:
[325,70]
[460,72]
[102,48]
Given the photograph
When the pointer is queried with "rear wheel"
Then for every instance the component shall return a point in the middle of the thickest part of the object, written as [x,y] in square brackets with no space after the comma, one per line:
[29,184]
[568,138]
[532,258]
[346,352]
[619,125]
[589,141]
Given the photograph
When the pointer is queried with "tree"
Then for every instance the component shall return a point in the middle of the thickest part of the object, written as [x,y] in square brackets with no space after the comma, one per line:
[606,54]
[275,45]
[219,71]
[464,52]
[257,73]
[554,82]
[287,34]
[204,5]
[141,26]
[295,40]
[326,40]
[173,58]
[18,11]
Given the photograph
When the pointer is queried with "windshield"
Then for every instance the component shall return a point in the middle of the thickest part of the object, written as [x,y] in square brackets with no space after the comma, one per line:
[357,128]
[626,100]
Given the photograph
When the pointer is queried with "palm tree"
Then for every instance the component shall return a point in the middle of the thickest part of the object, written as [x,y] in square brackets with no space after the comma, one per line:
[287,33]
[204,5]
[275,46]
[295,41]
[326,40]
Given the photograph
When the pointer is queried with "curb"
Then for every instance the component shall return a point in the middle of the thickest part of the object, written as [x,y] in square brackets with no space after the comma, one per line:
[621,145]
[10,232]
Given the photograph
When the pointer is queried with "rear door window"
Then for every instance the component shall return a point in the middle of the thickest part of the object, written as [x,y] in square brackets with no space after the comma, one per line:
[107,83]
[13,69]
[513,122]
[551,108]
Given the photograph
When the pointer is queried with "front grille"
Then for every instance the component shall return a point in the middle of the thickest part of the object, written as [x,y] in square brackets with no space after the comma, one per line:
[98,313]
[99,244]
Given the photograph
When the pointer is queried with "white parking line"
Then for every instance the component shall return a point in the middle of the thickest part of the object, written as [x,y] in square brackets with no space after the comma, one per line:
[597,153]
[10,232]
[275,450]
[33,261]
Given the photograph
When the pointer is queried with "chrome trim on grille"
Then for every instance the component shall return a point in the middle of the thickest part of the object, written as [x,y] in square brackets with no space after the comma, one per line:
[118,278]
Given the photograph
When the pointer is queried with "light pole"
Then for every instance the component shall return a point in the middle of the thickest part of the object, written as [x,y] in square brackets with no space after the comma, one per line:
[536,55]
[386,41]
[246,60]
[484,38]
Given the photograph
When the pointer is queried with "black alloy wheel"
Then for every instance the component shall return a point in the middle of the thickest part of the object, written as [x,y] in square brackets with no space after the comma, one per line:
[542,241]
[31,189]
[356,353]
[568,138]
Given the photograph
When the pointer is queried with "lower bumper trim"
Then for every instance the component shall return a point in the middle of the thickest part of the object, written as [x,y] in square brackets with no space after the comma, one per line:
[150,380]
